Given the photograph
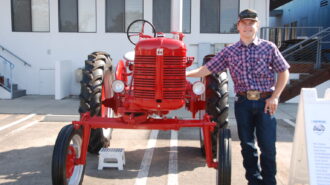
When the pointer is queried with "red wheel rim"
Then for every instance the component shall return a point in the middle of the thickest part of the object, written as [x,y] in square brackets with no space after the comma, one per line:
[70,158]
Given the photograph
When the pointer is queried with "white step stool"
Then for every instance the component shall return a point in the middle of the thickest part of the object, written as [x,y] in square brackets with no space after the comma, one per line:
[111,153]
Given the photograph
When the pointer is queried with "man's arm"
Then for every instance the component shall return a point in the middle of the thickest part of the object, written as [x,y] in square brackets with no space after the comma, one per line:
[282,79]
[199,72]
[272,102]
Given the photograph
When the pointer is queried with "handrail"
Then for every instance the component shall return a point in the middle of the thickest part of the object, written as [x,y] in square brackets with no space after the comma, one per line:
[307,49]
[299,48]
[5,85]
[25,63]
[6,60]
[279,35]
[307,40]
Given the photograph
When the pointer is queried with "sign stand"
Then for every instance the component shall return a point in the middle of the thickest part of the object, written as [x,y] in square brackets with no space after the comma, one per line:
[310,160]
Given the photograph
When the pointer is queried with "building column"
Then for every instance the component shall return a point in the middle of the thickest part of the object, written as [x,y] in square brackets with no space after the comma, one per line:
[176,15]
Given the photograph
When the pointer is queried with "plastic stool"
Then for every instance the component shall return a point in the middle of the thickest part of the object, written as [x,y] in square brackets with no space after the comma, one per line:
[111,153]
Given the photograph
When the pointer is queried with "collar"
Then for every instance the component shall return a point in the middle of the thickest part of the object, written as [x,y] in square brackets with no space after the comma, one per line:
[256,41]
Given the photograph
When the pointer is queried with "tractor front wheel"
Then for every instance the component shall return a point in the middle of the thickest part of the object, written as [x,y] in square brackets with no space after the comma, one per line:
[224,157]
[66,150]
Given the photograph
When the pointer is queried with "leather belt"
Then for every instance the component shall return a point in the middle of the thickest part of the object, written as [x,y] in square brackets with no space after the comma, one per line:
[254,95]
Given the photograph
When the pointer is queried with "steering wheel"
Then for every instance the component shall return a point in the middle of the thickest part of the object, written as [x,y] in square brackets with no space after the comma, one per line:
[135,24]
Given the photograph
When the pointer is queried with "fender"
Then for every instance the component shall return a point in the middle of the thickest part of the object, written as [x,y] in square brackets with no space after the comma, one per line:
[121,73]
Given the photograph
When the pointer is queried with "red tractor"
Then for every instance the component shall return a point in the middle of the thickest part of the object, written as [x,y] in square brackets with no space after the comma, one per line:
[138,94]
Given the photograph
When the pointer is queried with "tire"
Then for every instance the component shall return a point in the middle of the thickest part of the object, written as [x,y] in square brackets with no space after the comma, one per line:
[67,148]
[97,64]
[216,98]
[224,157]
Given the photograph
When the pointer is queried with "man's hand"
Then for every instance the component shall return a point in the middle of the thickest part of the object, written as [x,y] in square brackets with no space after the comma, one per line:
[271,105]
[272,102]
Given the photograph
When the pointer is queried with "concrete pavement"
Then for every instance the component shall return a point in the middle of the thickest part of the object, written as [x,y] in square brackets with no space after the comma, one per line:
[26,148]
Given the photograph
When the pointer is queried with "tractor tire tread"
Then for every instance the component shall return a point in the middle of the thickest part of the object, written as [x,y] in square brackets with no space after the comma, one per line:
[91,88]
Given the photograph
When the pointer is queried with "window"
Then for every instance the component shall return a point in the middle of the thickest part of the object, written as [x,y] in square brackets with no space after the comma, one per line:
[219,16]
[161,16]
[186,16]
[77,15]
[121,13]
[30,15]
[210,16]
[229,10]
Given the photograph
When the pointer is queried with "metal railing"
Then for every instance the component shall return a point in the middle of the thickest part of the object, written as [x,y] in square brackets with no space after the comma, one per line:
[301,44]
[283,36]
[6,73]
[17,57]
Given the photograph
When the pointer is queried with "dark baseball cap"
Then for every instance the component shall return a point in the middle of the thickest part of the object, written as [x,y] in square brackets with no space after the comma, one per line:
[248,14]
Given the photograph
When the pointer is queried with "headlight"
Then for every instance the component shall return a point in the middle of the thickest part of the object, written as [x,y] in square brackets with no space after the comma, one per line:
[198,88]
[118,86]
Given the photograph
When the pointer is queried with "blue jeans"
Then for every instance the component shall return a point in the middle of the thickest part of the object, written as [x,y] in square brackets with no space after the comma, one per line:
[251,122]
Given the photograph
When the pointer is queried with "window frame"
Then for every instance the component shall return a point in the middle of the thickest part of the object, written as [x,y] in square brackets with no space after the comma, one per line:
[219,8]
[59,19]
[125,31]
[12,19]
[153,20]
[200,14]
[190,11]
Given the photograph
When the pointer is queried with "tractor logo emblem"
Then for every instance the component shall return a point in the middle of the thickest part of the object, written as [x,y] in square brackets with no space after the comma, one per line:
[160,51]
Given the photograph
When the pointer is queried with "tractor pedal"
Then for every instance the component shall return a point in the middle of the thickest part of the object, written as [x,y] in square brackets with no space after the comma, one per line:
[111,157]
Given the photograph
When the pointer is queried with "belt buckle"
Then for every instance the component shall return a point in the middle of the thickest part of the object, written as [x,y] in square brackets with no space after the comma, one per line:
[253,95]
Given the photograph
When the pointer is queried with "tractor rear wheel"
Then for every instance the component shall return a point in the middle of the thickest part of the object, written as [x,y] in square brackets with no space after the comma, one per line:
[66,150]
[92,89]
[216,98]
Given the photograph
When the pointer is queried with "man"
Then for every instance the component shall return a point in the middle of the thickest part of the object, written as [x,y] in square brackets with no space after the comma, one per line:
[252,63]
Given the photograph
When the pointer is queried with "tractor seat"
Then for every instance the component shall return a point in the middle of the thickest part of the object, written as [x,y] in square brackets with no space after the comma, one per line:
[129,55]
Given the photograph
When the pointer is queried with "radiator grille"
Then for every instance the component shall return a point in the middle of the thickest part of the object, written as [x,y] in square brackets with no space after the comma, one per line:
[173,77]
[144,77]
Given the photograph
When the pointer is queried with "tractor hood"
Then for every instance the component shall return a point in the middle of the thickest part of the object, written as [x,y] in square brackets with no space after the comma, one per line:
[160,46]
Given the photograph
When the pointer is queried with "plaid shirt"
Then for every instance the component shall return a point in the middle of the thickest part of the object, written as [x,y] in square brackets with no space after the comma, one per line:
[251,67]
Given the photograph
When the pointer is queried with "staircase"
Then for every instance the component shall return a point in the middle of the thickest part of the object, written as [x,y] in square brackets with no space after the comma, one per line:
[306,80]
[15,91]
[8,89]
[18,92]
[309,56]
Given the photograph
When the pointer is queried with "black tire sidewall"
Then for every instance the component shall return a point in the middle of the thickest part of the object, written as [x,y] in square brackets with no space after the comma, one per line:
[60,155]
[224,157]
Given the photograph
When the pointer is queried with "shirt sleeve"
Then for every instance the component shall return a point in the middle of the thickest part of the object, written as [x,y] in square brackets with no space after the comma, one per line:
[279,62]
[218,63]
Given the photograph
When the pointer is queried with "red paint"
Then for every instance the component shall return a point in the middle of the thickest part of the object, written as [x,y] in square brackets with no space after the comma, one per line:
[121,73]
[88,122]
[158,85]
[159,74]
[70,159]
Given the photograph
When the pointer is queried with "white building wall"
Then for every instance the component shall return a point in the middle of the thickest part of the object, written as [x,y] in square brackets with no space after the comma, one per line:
[42,49]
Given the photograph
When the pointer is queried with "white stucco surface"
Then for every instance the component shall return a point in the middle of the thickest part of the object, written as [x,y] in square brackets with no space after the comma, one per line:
[43,49]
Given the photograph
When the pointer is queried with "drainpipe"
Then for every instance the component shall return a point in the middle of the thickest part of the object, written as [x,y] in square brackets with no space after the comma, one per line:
[176,15]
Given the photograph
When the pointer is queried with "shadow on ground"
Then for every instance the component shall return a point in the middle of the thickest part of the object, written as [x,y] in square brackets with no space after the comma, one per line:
[33,165]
